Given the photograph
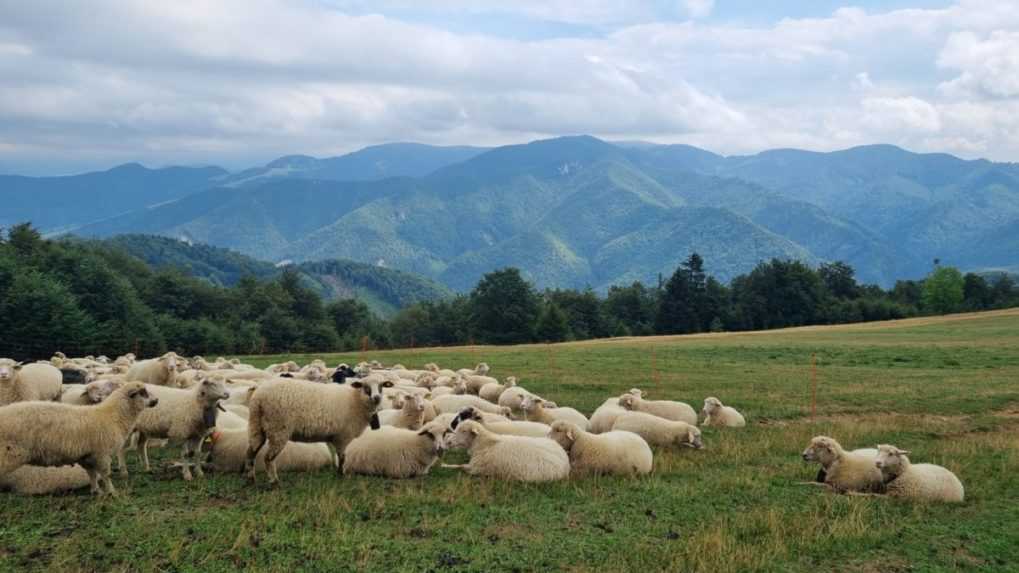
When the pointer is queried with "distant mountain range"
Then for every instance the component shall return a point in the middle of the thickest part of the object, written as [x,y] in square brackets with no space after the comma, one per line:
[384,290]
[571,211]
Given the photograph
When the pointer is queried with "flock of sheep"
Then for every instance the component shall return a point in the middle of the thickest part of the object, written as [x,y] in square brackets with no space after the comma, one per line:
[63,422]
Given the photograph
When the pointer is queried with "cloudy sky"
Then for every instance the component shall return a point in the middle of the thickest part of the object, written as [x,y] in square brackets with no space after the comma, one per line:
[87,85]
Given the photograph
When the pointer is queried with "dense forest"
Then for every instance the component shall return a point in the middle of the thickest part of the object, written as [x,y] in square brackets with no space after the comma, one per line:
[85,297]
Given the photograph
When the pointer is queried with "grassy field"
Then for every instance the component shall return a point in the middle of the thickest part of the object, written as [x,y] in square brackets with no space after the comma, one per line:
[948,389]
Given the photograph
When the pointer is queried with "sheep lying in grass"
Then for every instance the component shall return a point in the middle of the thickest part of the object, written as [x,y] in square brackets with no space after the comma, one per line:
[843,471]
[91,393]
[619,453]
[186,416]
[493,390]
[229,453]
[603,417]
[716,414]
[395,452]
[926,482]
[410,416]
[512,398]
[160,371]
[501,425]
[659,431]
[29,382]
[508,457]
[53,434]
[539,410]
[455,403]
[309,412]
[668,409]
[38,480]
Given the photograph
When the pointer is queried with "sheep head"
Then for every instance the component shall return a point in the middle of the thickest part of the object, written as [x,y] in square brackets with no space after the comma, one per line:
[564,433]
[511,381]
[100,390]
[369,390]
[169,360]
[212,390]
[435,431]
[8,369]
[482,368]
[822,449]
[464,435]
[711,405]
[891,460]
[136,396]
[692,438]
[628,402]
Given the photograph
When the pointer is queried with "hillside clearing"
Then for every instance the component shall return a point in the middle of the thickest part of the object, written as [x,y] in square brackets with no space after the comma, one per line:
[945,388]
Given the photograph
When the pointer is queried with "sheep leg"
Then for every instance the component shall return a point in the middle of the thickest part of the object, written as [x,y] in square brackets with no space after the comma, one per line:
[103,468]
[255,443]
[143,447]
[197,456]
[454,466]
[93,475]
[185,453]
[271,453]
[121,463]
[813,483]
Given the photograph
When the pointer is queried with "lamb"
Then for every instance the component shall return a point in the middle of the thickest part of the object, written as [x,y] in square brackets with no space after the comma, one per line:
[31,382]
[229,453]
[927,482]
[605,415]
[843,471]
[659,431]
[410,416]
[455,403]
[160,371]
[309,412]
[668,409]
[395,452]
[493,390]
[38,480]
[508,457]
[613,453]
[458,388]
[182,415]
[539,410]
[475,382]
[91,393]
[716,414]
[53,434]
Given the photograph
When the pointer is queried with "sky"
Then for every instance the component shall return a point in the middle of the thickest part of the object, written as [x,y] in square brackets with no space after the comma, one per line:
[236,83]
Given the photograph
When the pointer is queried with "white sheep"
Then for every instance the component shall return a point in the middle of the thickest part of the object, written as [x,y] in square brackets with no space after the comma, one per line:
[508,457]
[54,434]
[602,418]
[229,453]
[410,416]
[91,393]
[618,452]
[668,409]
[717,414]
[395,452]
[539,410]
[160,371]
[455,403]
[476,382]
[512,398]
[500,424]
[29,382]
[493,390]
[309,412]
[40,480]
[186,416]
[229,420]
[659,431]
[843,471]
[927,482]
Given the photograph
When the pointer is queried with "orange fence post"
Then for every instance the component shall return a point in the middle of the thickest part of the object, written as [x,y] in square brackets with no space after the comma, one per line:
[654,369]
[813,386]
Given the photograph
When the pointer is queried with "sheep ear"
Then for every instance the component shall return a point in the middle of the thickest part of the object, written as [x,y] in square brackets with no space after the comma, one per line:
[387,384]
[356,385]
[902,452]
[571,434]
[475,430]
[426,433]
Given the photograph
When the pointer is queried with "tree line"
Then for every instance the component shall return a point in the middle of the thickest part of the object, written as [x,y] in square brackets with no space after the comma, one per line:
[86,298]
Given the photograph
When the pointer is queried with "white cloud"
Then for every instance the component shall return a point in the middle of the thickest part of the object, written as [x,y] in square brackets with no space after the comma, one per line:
[238,81]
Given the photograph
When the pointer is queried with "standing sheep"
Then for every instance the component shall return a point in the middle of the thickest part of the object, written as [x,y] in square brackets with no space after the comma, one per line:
[31,382]
[508,457]
[618,453]
[160,371]
[395,452]
[659,431]
[843,471]
[53,434]
[309,412]
[716,414]
[668,409]
[926,482]
[186,416]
